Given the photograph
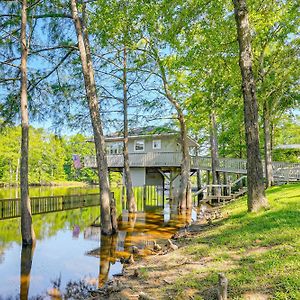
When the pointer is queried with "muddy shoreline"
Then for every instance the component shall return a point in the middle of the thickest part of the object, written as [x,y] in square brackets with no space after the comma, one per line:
[148,275]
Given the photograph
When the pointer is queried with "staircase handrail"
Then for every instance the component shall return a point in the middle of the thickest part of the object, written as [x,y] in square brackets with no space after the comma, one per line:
[230,185]
[199,191]
[237,181]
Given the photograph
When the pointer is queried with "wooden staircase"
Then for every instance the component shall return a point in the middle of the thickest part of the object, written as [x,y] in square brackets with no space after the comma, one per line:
[216,194]
[241,192]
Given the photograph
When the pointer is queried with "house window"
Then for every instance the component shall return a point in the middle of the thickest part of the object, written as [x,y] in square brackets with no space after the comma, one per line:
[156,144]
[114,148]
[139,145]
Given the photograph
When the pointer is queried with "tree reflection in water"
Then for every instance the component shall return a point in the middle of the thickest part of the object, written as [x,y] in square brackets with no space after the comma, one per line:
[26,263]
[108,249]
[107,256]
[128,242]
[153,222]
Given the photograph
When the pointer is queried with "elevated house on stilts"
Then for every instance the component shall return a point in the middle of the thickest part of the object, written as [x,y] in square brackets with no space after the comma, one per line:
[155,158]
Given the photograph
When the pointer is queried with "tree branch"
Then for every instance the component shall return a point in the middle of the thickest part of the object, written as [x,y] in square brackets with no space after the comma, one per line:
[30,88]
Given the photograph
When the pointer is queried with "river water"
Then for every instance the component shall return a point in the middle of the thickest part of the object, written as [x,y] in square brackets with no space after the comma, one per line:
[70,252]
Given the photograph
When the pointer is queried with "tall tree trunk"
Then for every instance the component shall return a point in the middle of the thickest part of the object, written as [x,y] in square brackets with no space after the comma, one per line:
[28,236]
[256,193]
[131,204]
[91,93]
[266,120]
[185,195]
[214,151]
[268,150]
[185,190]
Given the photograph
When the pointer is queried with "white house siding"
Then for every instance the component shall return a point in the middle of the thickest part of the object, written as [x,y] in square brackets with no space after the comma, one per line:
[168,144]
[154,178]
[138,176]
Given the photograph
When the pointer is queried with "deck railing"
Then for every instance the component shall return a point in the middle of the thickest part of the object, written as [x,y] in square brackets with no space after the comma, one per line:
[11,208]
[149,159]
[173,159]
[225,164]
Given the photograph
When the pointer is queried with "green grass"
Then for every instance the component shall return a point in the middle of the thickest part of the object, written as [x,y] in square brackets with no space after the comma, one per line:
[143,273]
[258,252]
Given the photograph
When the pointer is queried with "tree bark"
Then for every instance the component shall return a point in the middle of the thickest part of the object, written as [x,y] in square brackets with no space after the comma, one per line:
[113,212]
[256,194]
[214,152]
[92,98]
[131,203]
[266,120]
[185,194]
[28,235]
[268,151]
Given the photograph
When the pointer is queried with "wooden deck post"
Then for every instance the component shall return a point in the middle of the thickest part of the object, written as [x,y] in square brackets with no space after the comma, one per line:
[200,196]
[171,185]
[163,191]
[144,195]
[225,181]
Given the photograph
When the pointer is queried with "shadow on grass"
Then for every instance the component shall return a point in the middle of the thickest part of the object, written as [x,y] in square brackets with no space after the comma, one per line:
[259,253]
[272,227]
[274,273]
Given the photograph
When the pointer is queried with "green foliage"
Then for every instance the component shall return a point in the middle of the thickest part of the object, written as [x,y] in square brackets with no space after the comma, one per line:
[78,144]
[288,155]
[50,157]
[196,44]
[287,131]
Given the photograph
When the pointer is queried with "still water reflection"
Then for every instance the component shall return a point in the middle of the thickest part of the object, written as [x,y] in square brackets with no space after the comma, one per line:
[43,191]
[70,248]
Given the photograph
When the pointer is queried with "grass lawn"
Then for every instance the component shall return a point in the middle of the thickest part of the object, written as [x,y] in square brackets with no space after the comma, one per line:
[258,252]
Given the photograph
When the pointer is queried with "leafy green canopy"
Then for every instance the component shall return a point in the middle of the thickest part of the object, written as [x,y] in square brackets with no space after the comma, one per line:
[50,157]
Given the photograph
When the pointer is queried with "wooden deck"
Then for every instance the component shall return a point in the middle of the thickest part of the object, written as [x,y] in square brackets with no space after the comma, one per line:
[282,170]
